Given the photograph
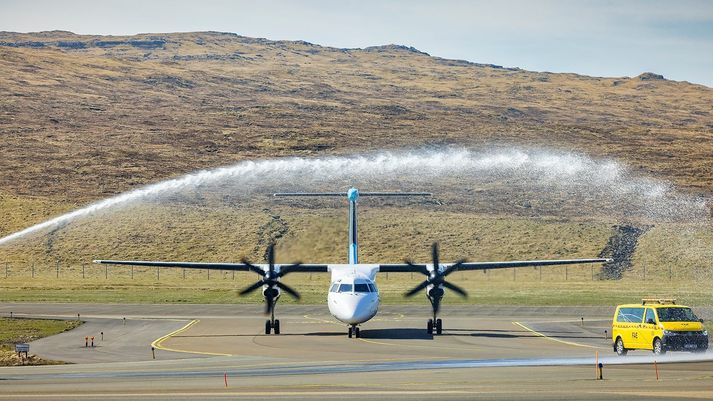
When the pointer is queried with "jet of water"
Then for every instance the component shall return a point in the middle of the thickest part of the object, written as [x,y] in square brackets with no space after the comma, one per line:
[465,171]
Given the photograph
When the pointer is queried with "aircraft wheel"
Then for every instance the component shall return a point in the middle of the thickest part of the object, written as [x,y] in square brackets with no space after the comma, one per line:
[350,332]
[357,334]
[429,326]
[439,326]
[619,347]
[268,327]
[277,326]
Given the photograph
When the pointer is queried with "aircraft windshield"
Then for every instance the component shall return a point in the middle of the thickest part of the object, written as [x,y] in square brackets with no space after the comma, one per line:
[345,288]
[361,288]
[676,315]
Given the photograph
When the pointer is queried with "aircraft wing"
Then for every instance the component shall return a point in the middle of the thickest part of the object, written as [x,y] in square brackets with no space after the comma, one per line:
[422,268]
[302,268]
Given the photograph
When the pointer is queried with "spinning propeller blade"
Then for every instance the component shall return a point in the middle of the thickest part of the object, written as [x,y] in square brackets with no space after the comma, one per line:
[270,279]
[437,278]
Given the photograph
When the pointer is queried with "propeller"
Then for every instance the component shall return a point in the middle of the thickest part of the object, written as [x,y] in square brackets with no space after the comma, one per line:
[437,279]
[270,279]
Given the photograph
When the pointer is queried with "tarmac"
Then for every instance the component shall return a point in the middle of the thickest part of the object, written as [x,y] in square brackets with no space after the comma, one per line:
[221,351]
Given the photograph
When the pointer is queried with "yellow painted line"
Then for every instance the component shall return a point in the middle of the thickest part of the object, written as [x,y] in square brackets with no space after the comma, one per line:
[537,333]
[157,343]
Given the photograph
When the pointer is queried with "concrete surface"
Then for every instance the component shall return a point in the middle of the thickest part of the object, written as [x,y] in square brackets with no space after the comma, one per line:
[485,353]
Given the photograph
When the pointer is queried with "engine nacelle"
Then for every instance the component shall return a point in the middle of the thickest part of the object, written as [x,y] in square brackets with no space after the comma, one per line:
[271,292]
[435,292]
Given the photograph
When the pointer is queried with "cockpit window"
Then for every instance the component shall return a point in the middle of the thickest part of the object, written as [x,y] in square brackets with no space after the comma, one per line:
[372,287]
[361,288]
[345,288]
[334,288]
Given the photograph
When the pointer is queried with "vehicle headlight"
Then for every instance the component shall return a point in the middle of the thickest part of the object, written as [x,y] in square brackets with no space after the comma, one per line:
[705,333]
[667,332]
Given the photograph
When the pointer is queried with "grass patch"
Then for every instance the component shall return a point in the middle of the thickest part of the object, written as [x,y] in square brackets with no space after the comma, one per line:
[484,289]
[13,331]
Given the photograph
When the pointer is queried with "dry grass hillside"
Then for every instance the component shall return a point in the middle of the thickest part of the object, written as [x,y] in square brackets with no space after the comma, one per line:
[86,117]
[83,117]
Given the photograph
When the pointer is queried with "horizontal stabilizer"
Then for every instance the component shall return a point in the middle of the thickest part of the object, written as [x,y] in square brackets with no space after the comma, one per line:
[345,194]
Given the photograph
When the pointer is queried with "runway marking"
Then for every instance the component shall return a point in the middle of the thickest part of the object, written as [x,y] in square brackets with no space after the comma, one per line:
[157,343]
[537,333]
[245,394]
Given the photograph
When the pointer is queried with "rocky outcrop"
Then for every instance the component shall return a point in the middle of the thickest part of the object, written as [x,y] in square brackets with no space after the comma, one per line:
[621,247]
[650,76]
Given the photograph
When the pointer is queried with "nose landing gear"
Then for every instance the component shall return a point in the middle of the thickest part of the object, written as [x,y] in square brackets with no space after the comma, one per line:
[354,332]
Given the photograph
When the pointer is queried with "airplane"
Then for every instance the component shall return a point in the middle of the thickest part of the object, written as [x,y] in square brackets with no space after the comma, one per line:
[353,297]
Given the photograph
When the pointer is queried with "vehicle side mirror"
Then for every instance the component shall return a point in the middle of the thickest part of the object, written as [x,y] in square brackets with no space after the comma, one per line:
[700,320]
[650,321]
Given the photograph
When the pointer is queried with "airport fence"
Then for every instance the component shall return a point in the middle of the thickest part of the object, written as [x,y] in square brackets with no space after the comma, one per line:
[90,271]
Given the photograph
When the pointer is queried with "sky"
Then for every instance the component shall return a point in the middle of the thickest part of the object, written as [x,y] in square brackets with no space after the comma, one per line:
[598,38]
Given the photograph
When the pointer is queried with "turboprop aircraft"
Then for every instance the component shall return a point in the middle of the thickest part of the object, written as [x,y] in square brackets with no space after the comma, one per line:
[353,296]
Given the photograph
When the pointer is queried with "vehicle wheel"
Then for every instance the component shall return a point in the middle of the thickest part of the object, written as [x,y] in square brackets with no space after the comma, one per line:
[267,327]
[619,347]
[658,347]
[429,326]
[277,326]
[350,332]
[357,333]
[439,326]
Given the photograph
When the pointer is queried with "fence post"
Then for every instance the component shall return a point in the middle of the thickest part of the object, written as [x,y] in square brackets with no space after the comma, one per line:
[7,267]
[184,273]
[670,273]
[33,269]
[644,271]
[208,274]
[566,272]
[57,268]
[540,271]
[514,274]
[132,272]
[592,268]
[233,275]
[83,270]
[158,274]
[106,272]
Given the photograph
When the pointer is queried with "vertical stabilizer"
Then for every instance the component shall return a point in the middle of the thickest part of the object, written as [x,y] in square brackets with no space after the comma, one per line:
[353,195]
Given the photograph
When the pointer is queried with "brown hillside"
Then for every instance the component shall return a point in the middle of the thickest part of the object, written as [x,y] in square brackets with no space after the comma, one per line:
[84,117]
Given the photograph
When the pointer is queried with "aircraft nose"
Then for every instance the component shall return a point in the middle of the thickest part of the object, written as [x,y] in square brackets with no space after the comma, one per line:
[355,308]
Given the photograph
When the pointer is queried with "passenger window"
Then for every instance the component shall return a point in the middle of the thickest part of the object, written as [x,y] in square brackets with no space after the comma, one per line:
[345,288]
[334,288]
[650,316]
[630,315]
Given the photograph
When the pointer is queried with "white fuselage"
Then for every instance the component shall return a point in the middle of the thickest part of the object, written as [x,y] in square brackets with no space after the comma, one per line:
[353,297]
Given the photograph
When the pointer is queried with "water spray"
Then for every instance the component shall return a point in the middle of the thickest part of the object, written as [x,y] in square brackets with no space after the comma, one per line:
[464,171]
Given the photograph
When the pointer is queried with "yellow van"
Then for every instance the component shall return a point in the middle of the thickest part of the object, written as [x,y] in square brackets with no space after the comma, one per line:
[658,325]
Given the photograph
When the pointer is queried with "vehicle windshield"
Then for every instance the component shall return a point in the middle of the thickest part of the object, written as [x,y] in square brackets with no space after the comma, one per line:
[345,288]
[676,315]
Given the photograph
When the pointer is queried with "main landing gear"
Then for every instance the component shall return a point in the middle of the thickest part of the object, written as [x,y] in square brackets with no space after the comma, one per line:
[354,332]
[436,327]
[272,324]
